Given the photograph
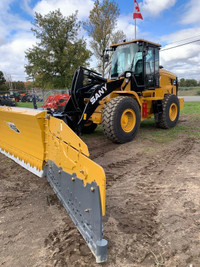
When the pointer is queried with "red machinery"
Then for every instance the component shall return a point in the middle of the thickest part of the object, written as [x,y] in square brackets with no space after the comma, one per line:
[56,102]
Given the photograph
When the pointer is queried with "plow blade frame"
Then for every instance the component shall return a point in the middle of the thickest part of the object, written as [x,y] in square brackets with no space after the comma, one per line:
[47,147]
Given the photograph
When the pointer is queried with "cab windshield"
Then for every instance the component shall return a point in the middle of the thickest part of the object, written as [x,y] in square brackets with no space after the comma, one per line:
[126,57]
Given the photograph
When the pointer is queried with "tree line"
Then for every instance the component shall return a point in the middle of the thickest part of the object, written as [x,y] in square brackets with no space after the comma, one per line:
[188,82]
[6,85]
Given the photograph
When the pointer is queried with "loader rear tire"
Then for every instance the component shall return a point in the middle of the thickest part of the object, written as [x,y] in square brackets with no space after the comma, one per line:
[170,114]
[121,119]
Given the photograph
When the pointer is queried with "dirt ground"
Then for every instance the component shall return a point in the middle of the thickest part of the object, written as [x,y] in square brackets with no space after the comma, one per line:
[152,212]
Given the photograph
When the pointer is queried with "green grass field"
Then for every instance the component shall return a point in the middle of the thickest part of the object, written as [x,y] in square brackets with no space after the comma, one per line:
[190,127]
[28,104]
[191,108]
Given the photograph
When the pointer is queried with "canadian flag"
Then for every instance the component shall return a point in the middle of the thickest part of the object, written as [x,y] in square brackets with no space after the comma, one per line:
[136,13]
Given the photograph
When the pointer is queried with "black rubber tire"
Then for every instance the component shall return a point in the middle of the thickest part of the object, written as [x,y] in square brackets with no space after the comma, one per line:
[89,129]
[164,120]
[111,120]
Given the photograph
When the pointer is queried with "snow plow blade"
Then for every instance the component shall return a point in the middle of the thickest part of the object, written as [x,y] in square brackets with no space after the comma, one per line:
[47,147]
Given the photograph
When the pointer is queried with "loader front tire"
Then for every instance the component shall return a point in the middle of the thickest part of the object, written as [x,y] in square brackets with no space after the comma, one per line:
[121,119]
[170,113]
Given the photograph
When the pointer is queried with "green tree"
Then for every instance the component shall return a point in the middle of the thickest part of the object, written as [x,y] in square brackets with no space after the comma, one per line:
[3,85]
[117,37]
[182,82]
[18,85]
[4,88]
[100,27]
[2,79]
[52,62]
[190,82]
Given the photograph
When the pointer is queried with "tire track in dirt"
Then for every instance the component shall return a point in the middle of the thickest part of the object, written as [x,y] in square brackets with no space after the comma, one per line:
[156,165]
[133,201]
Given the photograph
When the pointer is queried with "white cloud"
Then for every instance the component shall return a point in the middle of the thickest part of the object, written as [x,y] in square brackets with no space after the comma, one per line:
[126,24]
[15,38]
[15,34]
[155,7]
[182,60]
[67,7]
[13,59]
[25,5]
[192,12]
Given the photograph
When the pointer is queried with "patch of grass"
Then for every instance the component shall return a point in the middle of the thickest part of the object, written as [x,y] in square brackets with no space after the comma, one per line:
[191,108]
[28,104]
[188,91]
[149,131]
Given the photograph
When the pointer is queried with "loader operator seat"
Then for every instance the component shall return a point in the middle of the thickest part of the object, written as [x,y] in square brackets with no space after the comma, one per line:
[139,72]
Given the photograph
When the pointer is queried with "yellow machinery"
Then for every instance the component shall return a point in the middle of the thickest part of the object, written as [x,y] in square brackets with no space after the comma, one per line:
[46,143]
[138,89]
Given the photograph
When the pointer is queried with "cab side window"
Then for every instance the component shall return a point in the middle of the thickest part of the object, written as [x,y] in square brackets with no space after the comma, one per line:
[138,68]
[152,67]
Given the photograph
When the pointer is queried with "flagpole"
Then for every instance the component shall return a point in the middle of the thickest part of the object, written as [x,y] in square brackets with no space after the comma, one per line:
[135,28]
[136,13]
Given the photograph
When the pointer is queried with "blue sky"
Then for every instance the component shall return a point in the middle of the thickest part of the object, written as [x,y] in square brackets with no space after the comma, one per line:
[165,21]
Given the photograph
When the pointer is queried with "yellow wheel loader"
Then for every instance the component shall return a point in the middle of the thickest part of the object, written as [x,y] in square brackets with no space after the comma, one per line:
[138,89]
[46,143]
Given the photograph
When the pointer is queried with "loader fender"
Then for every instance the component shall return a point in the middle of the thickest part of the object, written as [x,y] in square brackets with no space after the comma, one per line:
[47,147]
[132,94]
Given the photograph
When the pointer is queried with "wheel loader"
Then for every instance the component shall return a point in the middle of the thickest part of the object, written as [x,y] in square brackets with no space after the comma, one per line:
[138,89]
[47,143]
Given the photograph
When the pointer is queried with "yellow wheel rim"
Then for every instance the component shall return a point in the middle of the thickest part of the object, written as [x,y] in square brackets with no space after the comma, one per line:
[173,111]
[128,120]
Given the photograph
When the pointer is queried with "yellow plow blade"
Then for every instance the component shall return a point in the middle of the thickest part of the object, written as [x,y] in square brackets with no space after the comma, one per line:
[22,137]
[48,147]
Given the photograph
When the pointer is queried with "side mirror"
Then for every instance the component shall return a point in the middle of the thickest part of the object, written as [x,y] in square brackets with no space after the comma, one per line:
[106,58]
[128,74]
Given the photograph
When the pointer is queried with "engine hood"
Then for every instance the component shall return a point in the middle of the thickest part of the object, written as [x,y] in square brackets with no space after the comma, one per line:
[164,72]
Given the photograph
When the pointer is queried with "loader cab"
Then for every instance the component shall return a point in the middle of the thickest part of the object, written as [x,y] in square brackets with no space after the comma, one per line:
[138,59]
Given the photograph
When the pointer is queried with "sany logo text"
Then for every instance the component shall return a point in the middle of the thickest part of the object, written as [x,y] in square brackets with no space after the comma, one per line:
[98,94]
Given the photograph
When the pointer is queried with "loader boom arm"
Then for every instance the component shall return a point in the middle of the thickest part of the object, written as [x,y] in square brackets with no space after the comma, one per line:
[47,147]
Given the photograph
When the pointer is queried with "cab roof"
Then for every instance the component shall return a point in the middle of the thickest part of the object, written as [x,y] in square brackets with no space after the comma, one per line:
[135,41]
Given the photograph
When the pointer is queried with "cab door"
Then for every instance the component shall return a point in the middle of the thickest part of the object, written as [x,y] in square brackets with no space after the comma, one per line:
[151,68]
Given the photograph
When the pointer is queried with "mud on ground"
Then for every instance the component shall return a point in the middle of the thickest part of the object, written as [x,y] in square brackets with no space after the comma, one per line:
[152,211]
